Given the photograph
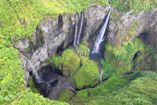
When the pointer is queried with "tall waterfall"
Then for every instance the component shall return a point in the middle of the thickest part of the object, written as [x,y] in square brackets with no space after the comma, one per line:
[33,69]
[35,72]
[80,30]
[101,37]
[76,29]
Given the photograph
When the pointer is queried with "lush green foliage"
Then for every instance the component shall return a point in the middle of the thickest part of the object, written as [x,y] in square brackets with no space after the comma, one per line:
[19,18]
[69,62]
[87,74]
[65,95]
[140,91]
[138,88]
[138,5]
[118,59]
[11,75]
[26,97]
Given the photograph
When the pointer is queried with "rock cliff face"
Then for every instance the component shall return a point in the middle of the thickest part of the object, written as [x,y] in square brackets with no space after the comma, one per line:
[55,35]
[122,24]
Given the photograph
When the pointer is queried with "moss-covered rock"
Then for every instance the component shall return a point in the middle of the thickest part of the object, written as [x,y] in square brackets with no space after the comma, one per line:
[69,62]
[85,50]
[65,95]
[87,75]
[82,94]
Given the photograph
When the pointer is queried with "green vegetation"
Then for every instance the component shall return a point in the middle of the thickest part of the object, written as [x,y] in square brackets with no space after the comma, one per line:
[69,62]
[19,18]
[24,15]
[65,95]
[32,86]
[138,5]
[87,75]
[26,97]
[141,91]
[84,48]
[133,28]
[119,59]
[138,88]
[12,89]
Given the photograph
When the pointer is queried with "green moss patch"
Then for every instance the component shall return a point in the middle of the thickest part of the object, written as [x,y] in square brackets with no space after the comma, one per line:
[87,75]
[65,95]
[69,62]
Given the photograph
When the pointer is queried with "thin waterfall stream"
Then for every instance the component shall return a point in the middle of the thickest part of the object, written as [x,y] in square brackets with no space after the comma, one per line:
[101,76]
[76,30]
[80,30]
[33,70]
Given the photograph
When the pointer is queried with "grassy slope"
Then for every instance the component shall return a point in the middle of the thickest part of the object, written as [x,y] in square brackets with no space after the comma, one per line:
[140,91]
[138,5]
[138,88]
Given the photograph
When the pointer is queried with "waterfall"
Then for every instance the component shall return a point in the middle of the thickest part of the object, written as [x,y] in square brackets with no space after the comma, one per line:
[101,37]
[80,30]
[33,69]
[34,72]
[76,27]
[76,24]
[101,76]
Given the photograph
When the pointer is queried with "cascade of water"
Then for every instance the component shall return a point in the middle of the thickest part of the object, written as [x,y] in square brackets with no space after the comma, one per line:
[34,72]
[33,69]
[101,76]
[80,30]
[72,88]
[76,24]
[101,37]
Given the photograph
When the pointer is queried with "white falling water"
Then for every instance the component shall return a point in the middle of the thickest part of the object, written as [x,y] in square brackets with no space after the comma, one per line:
[101,37]
[76,27]
[76,24]
[80,30]
[101,76]
[34,72]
